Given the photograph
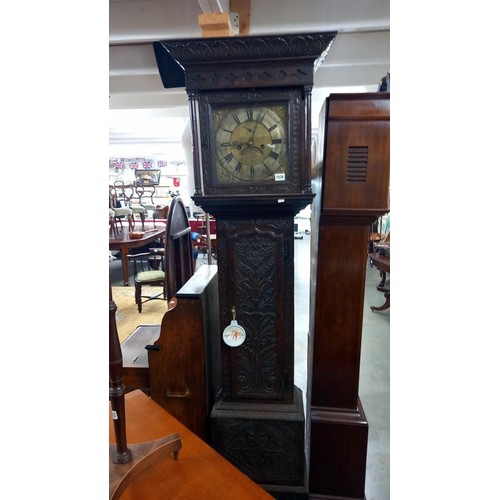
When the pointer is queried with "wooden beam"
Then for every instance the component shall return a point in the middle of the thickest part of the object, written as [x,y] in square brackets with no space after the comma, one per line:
[216,24]
[242,7]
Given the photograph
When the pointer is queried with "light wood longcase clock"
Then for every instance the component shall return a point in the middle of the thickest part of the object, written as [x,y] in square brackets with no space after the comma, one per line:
[250,107]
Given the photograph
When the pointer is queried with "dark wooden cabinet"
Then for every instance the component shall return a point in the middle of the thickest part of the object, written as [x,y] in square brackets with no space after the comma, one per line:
[351,183]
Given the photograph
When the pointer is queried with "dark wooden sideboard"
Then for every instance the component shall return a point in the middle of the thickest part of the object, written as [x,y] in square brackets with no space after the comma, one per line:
[351,182]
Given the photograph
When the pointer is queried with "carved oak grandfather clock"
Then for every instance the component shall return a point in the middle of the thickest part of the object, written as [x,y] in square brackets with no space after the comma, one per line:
[250,106]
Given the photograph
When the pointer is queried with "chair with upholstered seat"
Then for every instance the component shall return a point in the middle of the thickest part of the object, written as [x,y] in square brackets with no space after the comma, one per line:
[173,262]
[128,198]
[146,200]
[134,203]
[119,209]
[146,275]
[112,225]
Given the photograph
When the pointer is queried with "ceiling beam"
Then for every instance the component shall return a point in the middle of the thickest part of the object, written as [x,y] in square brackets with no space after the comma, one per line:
[242,8]
[224,18]
[219,24]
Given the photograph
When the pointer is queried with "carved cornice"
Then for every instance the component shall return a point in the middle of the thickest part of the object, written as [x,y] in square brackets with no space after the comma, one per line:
[230,49]
[251,61]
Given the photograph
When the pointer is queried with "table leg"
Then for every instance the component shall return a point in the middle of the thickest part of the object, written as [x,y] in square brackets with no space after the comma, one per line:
[385,305]
[383,277]
[124,253]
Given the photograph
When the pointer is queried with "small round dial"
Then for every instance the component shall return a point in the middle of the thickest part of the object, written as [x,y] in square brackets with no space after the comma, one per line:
[234,335]
[251,143]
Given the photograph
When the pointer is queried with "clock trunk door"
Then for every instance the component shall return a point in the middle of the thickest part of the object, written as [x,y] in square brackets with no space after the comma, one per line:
[258,287]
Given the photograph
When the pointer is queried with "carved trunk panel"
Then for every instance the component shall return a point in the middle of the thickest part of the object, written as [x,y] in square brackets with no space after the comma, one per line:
[258,281]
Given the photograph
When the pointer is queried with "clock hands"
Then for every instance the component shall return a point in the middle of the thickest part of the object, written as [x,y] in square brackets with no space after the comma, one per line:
[259,120]
[250,141]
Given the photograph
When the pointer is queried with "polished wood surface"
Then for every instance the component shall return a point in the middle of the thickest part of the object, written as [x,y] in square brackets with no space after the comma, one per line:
[351,182]
[199,472]
[336,383]
[123,242]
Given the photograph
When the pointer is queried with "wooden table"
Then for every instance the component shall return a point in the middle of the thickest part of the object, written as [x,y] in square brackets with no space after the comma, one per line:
[123,242]
[383,264]
[199,472]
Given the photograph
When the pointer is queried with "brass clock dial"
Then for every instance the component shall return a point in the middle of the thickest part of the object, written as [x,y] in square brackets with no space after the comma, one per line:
[251,143]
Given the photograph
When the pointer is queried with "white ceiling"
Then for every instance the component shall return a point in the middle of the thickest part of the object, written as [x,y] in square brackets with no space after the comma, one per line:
[143,112]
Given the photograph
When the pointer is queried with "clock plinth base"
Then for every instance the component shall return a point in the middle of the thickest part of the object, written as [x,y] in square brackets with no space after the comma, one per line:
[265,441]
[339,442]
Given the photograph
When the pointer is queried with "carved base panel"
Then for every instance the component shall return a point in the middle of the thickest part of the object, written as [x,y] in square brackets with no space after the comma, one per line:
[339,441]
[265,441]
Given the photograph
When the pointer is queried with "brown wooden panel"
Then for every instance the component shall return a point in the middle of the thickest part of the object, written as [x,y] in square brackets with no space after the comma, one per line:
[338,450]
[348,130]
[180,379]
[135,378]
[339,315]
[177,380]
[367,106]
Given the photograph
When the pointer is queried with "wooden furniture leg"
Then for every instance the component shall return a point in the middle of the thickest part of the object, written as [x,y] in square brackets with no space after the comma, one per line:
[127,462]
[387,295]
[144,455]
[123,254]
[383,277]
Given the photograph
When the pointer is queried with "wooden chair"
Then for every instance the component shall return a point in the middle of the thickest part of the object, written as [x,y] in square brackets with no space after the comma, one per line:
[145,196]
[119,205]
[134,203]
[130,201]
[169,267]
[112,225]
